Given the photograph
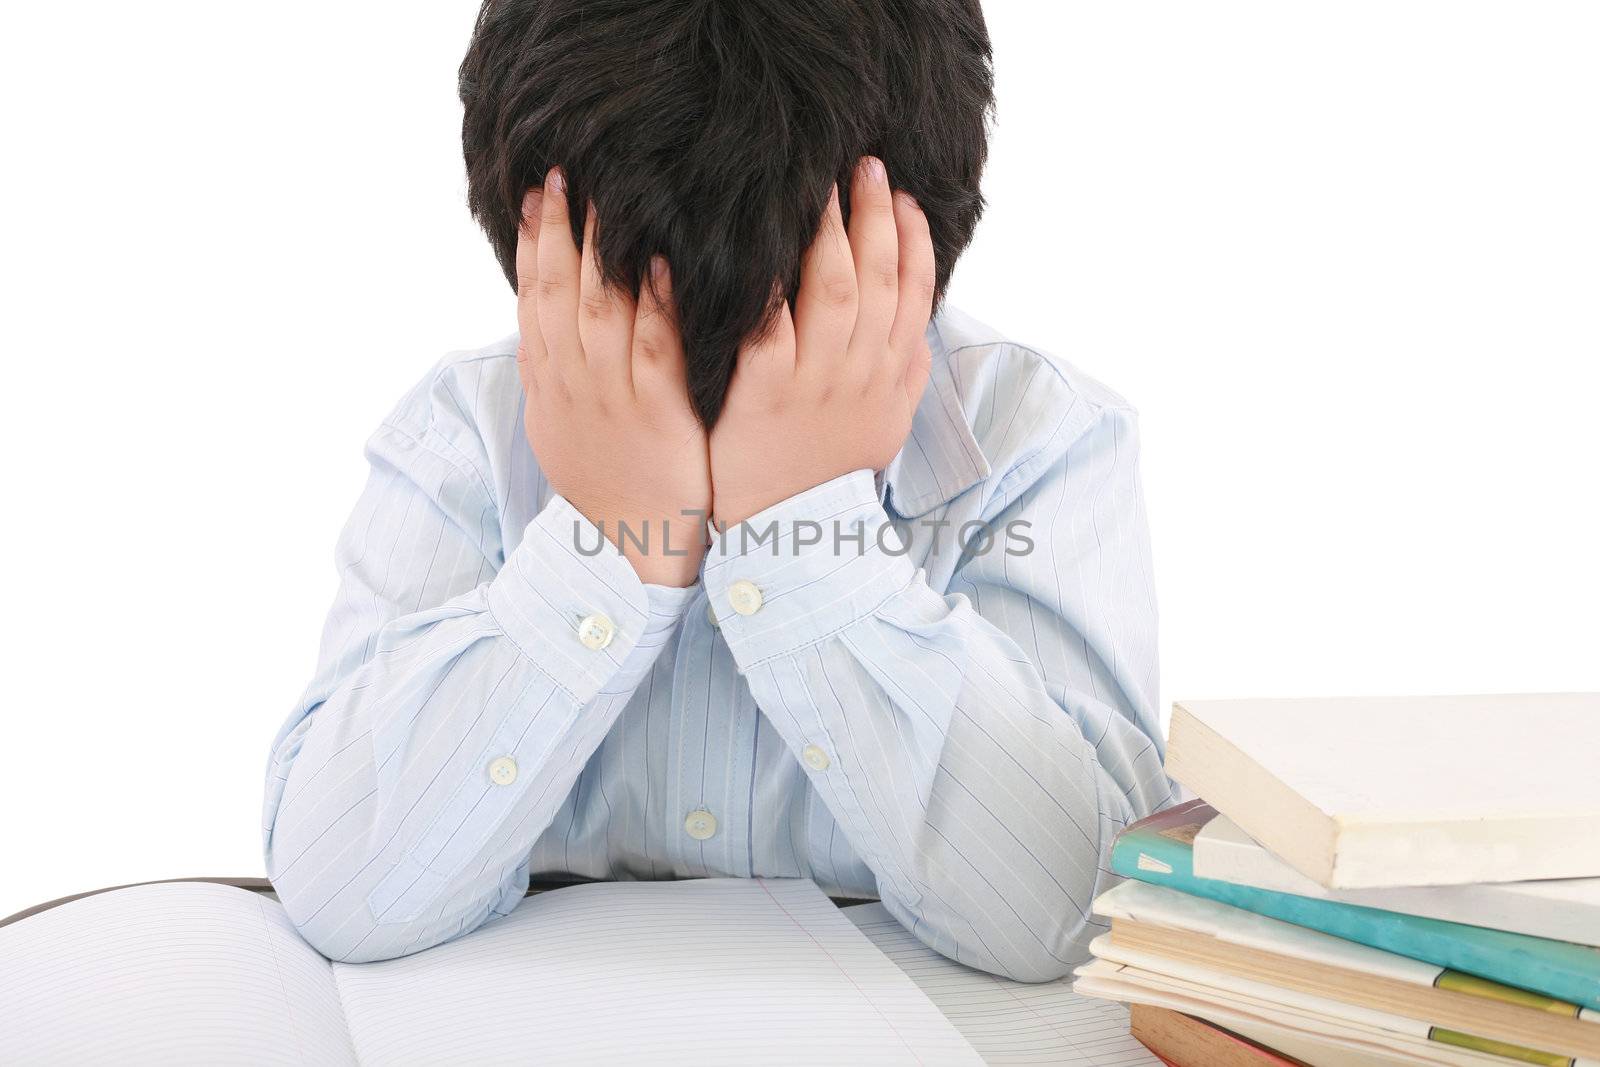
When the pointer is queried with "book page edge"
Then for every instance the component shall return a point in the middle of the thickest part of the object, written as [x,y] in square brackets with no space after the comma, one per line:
[1240,788]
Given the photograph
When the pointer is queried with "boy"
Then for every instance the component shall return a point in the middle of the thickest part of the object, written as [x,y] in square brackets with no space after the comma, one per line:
[911,655]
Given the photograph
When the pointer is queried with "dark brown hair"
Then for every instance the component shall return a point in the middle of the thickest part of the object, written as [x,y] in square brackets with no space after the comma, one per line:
[711,130]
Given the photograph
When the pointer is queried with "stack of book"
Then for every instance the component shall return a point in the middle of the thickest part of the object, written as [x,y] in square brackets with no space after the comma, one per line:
[1365,881]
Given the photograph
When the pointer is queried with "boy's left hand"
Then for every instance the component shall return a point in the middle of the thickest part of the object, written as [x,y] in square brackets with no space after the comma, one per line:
[832,387]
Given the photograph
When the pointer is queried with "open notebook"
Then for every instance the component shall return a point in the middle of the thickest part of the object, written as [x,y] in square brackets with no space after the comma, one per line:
[703,972]
[1009,1022]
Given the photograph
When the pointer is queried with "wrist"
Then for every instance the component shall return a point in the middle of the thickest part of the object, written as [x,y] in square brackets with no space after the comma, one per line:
[834,540]
[663,547]
[729,509]
[677,568]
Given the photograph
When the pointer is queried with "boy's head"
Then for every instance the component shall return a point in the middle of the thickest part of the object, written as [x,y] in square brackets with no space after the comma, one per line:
[710,131]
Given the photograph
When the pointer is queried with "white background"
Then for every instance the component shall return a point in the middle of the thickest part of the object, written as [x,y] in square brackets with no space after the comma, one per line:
[1345,258]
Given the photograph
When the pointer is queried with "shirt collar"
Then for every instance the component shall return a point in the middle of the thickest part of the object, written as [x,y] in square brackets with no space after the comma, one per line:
[941,458]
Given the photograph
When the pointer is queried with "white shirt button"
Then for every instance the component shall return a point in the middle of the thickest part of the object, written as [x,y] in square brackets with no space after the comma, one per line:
[503,771]
[596,631]
[815,758]
[745,597]
[711,616]
[700,824]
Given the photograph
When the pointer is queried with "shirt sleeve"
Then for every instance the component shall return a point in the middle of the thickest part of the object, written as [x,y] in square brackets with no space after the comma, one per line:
[980,747]
[457,698]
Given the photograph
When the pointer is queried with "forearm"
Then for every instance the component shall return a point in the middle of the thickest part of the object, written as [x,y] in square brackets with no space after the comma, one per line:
[984,811]
[403,803]
[982,794]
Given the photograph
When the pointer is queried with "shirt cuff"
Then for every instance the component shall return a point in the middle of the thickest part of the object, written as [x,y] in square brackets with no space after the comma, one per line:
[805,568]
[577,609]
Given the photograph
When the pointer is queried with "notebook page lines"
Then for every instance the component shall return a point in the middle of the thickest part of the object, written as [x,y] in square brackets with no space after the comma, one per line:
[812,912]
[704,971]
[1009,1022]
[177,972]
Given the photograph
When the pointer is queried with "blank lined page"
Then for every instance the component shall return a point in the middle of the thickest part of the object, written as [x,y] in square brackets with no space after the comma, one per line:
[1009,1022]
[714,971]
[176,972]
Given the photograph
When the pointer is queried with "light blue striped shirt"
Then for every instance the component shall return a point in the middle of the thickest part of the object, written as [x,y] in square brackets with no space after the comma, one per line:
[911,711]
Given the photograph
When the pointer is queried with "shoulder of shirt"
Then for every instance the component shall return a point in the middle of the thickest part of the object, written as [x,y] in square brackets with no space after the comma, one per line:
[1005,410]
[970,346]
[465,409]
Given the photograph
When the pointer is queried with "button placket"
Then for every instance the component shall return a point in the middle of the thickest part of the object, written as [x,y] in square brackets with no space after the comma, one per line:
[815,757]
[700,824]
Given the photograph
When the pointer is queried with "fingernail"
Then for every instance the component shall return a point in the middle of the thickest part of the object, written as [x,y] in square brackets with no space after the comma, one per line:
[874,169]
[556,180]
[530,203]
[658,267]
[905,198]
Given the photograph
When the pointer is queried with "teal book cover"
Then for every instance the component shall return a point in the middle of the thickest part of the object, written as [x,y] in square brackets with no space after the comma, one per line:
[1160,850]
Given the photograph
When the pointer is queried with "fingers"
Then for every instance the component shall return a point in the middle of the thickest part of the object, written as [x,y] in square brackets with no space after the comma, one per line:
[825,309]
[770,358]
[605,313]
[916,281]
[557,290]
[875,254]
[657,347]
[915,377]
[531,351]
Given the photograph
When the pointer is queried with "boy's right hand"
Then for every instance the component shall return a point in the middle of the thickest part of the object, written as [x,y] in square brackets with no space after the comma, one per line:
[607,404]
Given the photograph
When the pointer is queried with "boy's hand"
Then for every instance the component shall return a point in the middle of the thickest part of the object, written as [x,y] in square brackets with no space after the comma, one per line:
[608,412]
[832,387]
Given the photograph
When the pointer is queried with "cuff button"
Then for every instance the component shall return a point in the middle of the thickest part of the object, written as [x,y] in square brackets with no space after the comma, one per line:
[744,597]
[503,771]
[596,631]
